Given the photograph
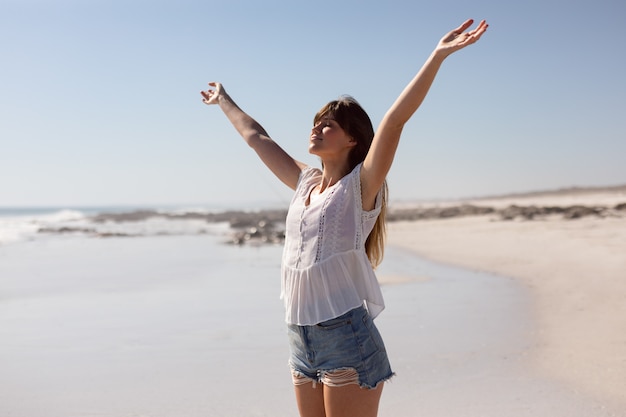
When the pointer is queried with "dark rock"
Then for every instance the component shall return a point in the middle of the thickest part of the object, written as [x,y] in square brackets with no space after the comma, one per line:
[437,212]
[132,216]
[114,234]
[576,212]
[65,229]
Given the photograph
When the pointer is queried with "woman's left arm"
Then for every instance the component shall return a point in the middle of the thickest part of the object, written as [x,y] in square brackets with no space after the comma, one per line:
[382,151]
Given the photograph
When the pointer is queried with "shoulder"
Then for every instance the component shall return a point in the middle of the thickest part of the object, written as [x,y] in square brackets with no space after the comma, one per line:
[371,205]
[308,174]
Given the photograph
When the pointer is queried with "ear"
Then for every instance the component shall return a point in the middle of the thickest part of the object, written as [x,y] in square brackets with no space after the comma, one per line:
[352,142]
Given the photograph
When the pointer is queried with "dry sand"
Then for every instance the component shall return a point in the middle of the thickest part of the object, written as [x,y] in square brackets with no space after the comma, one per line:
[575,271]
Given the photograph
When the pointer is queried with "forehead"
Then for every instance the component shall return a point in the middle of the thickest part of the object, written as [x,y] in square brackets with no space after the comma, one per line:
[326,114]
[325,120]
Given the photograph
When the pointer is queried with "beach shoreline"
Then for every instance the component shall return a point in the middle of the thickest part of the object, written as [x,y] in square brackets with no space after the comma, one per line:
[575,271]
[520,317]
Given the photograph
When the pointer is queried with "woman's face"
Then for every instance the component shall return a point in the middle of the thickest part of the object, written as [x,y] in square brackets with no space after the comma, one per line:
[328,138]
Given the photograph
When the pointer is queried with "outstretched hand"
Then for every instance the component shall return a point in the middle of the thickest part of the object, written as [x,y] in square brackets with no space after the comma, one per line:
[459,39]
[211,96]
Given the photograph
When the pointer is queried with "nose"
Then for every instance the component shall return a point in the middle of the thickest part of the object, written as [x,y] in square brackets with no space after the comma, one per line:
[317,128]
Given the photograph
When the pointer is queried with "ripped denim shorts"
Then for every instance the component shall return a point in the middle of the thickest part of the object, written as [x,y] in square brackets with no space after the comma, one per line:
[345,350]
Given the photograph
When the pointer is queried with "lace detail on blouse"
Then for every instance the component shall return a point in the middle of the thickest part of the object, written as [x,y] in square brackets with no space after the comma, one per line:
[325,270]
[322,223]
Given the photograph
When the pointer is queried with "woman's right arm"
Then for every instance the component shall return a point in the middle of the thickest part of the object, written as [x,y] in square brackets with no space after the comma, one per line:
[277,160]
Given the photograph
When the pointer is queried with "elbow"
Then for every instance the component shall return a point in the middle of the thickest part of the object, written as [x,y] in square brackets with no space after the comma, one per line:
[253,138]
[393,123]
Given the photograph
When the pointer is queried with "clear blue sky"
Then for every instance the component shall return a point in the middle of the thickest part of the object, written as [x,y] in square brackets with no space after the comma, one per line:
[100,100]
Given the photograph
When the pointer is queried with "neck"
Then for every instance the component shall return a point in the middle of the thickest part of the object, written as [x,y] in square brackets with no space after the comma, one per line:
[332,173]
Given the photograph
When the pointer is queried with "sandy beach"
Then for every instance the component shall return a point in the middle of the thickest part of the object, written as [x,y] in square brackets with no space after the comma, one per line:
[574,270]
[485,317]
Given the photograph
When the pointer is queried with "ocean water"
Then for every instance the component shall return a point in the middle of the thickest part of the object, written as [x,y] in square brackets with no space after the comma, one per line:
[33,223]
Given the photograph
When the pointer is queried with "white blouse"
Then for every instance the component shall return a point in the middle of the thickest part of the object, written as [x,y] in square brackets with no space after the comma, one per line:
[325,270]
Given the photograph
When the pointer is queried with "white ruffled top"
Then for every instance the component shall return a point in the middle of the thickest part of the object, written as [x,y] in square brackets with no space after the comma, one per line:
[325,270]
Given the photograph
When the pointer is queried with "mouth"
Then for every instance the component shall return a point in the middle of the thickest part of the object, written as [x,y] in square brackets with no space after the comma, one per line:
[316,138]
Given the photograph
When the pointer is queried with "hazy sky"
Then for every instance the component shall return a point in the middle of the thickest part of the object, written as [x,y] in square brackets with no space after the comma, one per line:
[100,100]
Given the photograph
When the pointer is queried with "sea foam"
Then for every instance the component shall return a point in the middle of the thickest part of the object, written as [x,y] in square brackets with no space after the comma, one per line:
[18,225]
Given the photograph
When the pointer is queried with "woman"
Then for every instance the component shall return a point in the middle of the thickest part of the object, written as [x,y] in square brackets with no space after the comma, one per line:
[334,239]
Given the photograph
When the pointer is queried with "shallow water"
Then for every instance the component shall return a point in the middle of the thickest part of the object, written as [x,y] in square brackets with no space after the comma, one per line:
[185,325]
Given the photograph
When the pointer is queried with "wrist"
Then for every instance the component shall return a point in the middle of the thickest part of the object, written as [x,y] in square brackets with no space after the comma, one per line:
[438,56]
[223,98]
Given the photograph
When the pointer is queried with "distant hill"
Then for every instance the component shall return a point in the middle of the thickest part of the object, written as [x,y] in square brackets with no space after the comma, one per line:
[558,192]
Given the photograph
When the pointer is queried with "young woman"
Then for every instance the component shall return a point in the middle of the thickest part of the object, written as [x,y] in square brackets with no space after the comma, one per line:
[334,239]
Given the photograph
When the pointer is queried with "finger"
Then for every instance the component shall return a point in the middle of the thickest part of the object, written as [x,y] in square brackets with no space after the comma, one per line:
[478,32]
[475,34]
[216,85]
[482,26]
[464,26]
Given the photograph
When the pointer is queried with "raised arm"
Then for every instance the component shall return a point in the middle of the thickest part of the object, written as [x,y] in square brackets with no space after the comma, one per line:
[277,160]
[382,151]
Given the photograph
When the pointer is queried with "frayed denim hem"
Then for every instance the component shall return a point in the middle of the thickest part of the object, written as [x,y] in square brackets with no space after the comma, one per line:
[335,378]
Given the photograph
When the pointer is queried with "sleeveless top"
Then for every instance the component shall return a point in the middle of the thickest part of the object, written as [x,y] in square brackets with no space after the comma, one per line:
[325,269]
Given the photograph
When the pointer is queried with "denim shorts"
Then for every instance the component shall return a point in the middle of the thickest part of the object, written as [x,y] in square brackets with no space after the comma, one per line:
[348,342]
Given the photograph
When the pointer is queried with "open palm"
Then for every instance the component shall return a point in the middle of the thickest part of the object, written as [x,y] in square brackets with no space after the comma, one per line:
[459,38]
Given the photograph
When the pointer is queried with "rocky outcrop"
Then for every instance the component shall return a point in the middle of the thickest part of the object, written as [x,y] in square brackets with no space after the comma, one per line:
[437,212]
[263,233]
[532,212]
[267,226]
[237,219]
[511,212]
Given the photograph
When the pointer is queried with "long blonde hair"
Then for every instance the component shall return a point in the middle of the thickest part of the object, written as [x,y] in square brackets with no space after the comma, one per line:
[349,114]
